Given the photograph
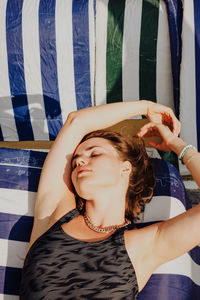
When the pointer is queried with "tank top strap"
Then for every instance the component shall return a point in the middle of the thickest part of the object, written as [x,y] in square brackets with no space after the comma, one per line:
[65,219]
[68,216]
[119,234]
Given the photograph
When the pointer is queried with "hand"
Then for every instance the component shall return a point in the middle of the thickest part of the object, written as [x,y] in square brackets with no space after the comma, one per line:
[156,129]
[162,114]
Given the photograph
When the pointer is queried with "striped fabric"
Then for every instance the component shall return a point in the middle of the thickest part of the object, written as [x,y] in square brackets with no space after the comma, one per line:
[46,65]
[133,58]
[138,53]
[190,74]
[19,176]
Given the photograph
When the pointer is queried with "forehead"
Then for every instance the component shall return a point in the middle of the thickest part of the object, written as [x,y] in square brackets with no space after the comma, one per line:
[94,142]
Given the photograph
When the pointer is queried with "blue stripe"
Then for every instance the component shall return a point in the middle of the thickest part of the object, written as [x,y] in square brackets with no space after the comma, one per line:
[16,69]
[15,227]
[19,178]
[49,74]
[169,182]
[10,283]
[80,19]
[168,286]
[197,61]
[27,158]
[175,15]
[1,134]
[94,7]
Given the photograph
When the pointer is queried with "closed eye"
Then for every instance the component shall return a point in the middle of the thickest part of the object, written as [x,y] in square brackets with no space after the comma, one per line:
[95,154]
[92,154]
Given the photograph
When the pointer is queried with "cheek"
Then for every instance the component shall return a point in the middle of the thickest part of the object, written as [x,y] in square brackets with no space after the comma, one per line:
[108,170]
[73,177]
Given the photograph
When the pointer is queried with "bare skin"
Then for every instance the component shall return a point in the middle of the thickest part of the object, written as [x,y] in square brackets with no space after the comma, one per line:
[105,190]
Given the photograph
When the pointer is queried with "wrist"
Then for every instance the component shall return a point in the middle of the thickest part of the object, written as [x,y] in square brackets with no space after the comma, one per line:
[176,144]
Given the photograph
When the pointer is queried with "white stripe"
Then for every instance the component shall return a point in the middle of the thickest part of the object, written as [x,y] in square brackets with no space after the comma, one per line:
[101,46]
[32,69]
[164,83]
[12,253]
[162,208]
[18,165]
[7,120]
[65,57]
[182,265]
[92,46]
[188,77]
[8,297]
[131,47]
[17,202]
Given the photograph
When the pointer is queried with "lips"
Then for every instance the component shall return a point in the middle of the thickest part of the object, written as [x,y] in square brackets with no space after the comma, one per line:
[81,171]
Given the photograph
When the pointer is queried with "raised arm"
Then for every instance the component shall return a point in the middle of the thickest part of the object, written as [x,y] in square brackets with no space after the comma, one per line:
[178,235]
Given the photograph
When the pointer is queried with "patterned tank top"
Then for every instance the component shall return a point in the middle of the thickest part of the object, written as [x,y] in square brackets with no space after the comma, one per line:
[59,267]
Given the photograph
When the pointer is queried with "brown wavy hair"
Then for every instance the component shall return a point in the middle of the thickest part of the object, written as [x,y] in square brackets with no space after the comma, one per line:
[142,177]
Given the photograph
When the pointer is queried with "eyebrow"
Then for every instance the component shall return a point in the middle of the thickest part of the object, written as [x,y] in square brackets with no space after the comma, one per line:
[87,149]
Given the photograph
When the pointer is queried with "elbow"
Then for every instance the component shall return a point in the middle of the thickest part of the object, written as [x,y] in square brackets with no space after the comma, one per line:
[75,120]
[71,116]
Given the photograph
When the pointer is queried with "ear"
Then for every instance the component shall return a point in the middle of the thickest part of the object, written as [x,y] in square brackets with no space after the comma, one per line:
[126,168]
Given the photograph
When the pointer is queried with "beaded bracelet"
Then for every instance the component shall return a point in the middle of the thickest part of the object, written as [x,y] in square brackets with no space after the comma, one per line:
[185,149]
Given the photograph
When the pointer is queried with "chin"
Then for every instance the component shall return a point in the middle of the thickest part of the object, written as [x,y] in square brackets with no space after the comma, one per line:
[86,190]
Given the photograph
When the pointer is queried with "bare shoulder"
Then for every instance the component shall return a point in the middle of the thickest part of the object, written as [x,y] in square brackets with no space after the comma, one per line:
[43,223]
[140,245]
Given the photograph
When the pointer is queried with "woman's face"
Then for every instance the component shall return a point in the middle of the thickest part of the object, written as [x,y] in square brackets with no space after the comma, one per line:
[95,165]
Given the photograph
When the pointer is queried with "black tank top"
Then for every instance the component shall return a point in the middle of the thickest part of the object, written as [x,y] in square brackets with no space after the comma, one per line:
[59,267]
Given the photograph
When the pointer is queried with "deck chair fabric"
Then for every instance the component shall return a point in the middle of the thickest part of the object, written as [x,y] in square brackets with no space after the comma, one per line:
[190,74]
[133,56]
[46,65]
[50,59]
[19,176]
[138,53]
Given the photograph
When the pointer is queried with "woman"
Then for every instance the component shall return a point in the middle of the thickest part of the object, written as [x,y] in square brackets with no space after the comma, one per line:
[100,254]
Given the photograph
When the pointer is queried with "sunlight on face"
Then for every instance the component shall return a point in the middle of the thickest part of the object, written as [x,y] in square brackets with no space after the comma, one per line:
[95,165]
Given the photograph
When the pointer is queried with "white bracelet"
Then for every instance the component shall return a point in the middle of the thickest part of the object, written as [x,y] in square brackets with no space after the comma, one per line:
[185,149]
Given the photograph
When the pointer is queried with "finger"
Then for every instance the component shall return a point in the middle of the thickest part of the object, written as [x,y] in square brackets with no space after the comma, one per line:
[175,129]
[158,146]
[155,145]
[146,128]
[174,122]
[178,128]
[151,132]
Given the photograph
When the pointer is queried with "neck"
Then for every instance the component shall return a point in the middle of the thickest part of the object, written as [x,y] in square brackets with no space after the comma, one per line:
[106,211]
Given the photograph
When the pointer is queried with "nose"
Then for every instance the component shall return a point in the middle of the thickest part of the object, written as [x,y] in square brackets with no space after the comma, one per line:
[81,161]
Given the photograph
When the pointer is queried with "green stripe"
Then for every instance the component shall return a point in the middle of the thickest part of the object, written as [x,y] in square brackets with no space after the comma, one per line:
[115,27]
[148,56]
[148,49]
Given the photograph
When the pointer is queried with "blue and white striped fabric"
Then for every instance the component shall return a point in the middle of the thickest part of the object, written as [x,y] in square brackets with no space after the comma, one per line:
[46,65]
[190,74]
[19,176]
